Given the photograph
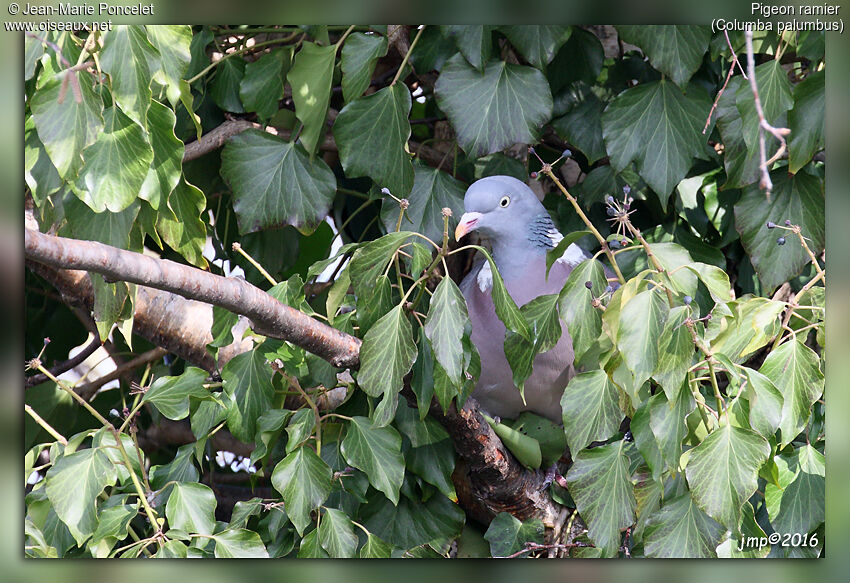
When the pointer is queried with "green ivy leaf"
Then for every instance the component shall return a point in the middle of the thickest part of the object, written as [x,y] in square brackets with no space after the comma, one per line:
[722,472]
[173,43]
[444,325]
[130,60]
[679,529]
[387,354]
[432,191]
[798,198]
[224,89]
[583,320]
[590,409]
[336,534]
[311,77]
[805,120]
[411,523]
[668,422]
[39,172]
[376,451]
[749,324]
[740,161]
[774,94]
[371,133]
[580,59]
[507,535]
[248,388]
[239,544]
[765,403]
[537,43]
[641,322]
[73,484]
[676,51]
[544,324]
[299,428]
[502,105]
[170,395]
[715,279]
[180,469]
[794,369]
[262,86]
[191,508]
[422,381]
[275,183]
[599,483]
[376,304]
[116,164]
[675,351]
[33,50]
[180,224]
[357,61]
[375,548]
[798,506]
[113,523]
[659,128]
[581,126]
[167,167]
[475,42]
[304,481]
[310,547]
[369,261]
[434,463]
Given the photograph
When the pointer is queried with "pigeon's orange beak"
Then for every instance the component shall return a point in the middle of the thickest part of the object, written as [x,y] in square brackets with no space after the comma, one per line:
[468,222]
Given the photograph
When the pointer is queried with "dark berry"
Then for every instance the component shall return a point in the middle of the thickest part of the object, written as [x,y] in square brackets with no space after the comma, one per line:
[787,222]
[566,154]
[611,211]
[780,241]
[627,189]
[609,199]
[588,284]
[771,225]
[534,175]
[615,244]
[687,300]
[627,206]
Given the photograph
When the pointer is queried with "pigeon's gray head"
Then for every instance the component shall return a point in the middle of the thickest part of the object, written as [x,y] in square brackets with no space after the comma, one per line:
[503,209]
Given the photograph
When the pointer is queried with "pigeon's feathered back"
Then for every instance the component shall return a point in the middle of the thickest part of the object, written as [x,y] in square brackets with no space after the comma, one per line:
[520,231]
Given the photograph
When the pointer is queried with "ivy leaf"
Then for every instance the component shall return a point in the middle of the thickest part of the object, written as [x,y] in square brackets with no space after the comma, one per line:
[715,279]
[537,43]
[412,523]
[336,534]
[387,354]
[774,94]
[224,89]
[371,133]
[359,54]
[507,535]
[544,324]
[248,387]
[740,161]
[805,120]
[581,126]
[580,59]
[170,395]
[73,484]
[304,481]
[130,60]
[641,322]
[590,409]
[795,370]
[376,304]
[422,381]
[432,191]
[668,422]
[173,43]
[311,77]
[679,529]
[33,50]
[262,86]
[275,183]
[676,51]
[167,167]
[180,469]
[475,42]
[180,225]
[798,506]
[191,508]
[376,451]
[116,164]
[39,172]
[675,351]
[239,544]
[444,325]
[659,128]
[798,198]
[749,324]
[765,403]
[113,523]
[502,105]
[583,320]
[599,483]
[434,463]
[375,548]
[722,472]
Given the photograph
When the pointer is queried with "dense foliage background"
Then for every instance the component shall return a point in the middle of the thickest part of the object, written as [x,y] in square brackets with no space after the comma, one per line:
[698,420]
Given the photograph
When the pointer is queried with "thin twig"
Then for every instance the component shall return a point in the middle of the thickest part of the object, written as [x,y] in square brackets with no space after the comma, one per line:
[65,366]
[407,56]
[89,389]
[45,425]
[720,93]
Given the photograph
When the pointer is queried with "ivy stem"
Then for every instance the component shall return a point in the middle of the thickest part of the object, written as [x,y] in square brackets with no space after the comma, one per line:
[721,404]
[407,56]
[45,425]
[238,248]
[794,304]
[547,170]
[294,382]
[650,255]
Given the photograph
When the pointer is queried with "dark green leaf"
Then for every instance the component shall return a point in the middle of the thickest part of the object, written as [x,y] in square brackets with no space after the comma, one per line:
[180,469]
[676,51]
[164,173]
[170,395]
[262,86]
[507,535]
[765,403]
[583,320]
[805,120]
[668,421]
[304,481]
[599,483]
[420,431]
[130,60]
[434,463]
[582,127]
[422,381]
[798,198]
[679,529]
[310,547]
[180,224]
[489,110]
[113,523]
[798,507]
[722,472]
[590,408]
[794,369]
[300,428]
[409,524]
[741,161]
[310,77]
[537,43]
[239,544]
[248,388]
[370,260]
[39,172]
[359,55]
[552,255]
[641,322]
[474,42]
[580,59]
[173,43]
[675,351]
[371,133]
[375,548]
[376,451]
[224,89]
[336,534]
[659,128]
[544,325]
[191,508]
[444,325]
[387,354]
[376,304]
[275,183]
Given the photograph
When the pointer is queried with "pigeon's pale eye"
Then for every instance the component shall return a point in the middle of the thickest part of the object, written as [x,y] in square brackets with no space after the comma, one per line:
[506,200]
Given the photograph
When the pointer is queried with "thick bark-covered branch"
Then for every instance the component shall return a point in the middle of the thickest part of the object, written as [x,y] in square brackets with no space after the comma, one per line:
[236,295]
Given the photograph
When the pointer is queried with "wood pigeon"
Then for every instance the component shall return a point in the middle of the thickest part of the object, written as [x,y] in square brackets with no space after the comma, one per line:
[506,212]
